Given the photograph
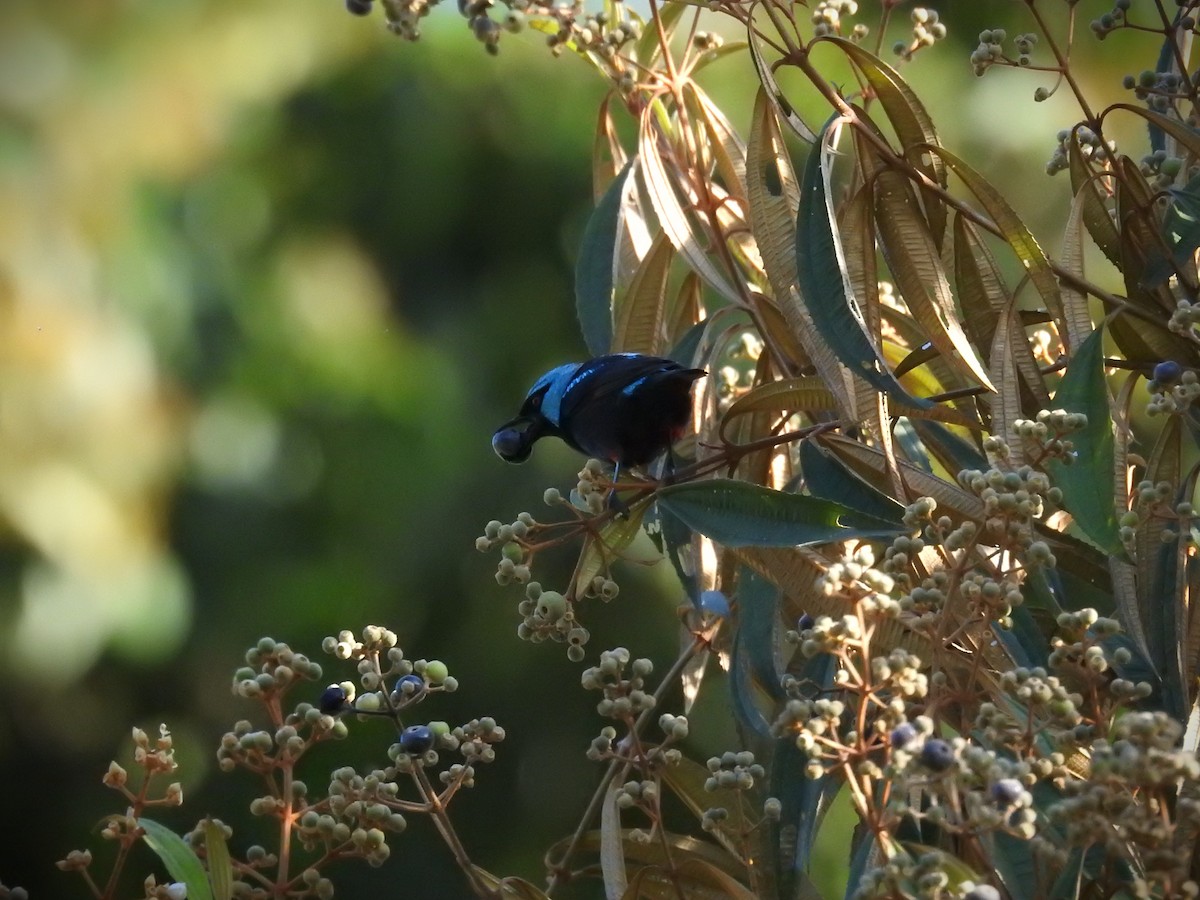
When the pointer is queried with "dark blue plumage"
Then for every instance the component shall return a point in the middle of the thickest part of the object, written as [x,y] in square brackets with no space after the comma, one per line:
[625,407]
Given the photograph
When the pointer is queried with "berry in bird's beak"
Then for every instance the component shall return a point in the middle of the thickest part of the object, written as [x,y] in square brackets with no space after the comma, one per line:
[511,444]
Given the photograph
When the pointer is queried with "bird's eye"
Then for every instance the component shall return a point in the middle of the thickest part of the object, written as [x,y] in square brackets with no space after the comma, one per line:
[536,401]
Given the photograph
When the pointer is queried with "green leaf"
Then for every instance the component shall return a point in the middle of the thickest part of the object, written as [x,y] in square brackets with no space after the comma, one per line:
[738,514]
[220,866]
[183,864]
[752,661]
[1181,221]
[824,282]
[594,268]
[1087,484]
[828,479]
[612,859]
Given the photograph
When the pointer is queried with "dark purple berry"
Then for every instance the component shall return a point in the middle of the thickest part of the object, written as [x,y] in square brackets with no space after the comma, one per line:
[1007,791]
[410,686]
[805,622]
[937,755]
[359,7]
[715,602]
[416,739]
[902,734]
[1167,372]
[332,700]
[511,445]
[982,892]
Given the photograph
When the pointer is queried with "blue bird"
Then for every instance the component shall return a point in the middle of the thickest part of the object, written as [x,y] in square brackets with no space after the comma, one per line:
[626,408]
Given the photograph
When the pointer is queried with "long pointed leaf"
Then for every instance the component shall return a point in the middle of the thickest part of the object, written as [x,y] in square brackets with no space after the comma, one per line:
[1016,233]
[180,860]
[1087,484]
[916,265]
[594,268]
[640,315]
[672,215]
[824,282]
[737,514]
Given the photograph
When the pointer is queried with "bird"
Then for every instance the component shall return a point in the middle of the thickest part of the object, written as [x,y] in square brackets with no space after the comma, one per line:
[627,408]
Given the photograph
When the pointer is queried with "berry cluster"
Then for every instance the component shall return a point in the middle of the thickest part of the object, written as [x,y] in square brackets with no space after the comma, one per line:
[1130,800]
[1091,146]
[1172,388]
[990,51]
[1110,21]
[926,31]
[829,18]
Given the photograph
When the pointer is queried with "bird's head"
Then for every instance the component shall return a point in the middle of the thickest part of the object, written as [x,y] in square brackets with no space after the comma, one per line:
[539,416]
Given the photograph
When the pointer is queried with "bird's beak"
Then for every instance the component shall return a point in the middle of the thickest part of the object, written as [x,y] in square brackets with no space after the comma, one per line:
[513,441]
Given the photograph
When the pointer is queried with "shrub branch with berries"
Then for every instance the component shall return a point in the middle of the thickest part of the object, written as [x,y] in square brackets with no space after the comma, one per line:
[933,518]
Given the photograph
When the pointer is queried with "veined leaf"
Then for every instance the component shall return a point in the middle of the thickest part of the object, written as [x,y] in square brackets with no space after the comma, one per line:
[1075,303]
[773,195]
[1179,131]
[1006,402]
[916,265]
[824,284]
[1016,233]
[594,268]
[729,149]
[671,213]
[955,453]
[1087,484]
[757,636]
[1158,569]
[220,866]
[183,864]
[774,93]
[1096,216]
[985,298]
[738,514]
[856,225]
[913,124]
[863,459]
[654,853]
[640,326]
[1145,263]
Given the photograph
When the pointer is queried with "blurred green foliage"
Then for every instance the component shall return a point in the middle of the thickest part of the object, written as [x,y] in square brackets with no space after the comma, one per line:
[268,278]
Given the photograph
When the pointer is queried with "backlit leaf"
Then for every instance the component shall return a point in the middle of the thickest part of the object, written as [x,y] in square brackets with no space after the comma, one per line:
[183,864]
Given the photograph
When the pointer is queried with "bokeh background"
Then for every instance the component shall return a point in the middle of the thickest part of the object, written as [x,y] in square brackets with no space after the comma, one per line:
[268,279]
